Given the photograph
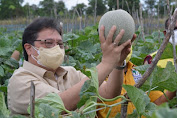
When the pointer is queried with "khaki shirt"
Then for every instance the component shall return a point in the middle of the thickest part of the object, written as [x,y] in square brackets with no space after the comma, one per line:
[45,82]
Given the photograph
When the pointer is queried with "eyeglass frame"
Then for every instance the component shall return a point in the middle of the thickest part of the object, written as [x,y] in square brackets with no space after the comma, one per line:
[50,46]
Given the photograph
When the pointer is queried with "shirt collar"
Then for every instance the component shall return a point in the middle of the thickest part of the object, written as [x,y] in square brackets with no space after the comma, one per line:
[33,68]
[61,71]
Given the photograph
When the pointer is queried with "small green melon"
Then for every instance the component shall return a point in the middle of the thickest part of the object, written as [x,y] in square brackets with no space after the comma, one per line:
[122,20]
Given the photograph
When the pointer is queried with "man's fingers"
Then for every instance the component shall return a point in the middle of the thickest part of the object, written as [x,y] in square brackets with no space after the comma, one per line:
[119,36]
[101,34]
[128,49]
[109,38]
[133,38]
[127,43]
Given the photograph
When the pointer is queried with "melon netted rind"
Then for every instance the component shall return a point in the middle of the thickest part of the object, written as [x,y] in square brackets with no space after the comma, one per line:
[122,19]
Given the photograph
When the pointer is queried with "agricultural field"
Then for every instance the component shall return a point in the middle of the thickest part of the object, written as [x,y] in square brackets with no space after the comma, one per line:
[83,52]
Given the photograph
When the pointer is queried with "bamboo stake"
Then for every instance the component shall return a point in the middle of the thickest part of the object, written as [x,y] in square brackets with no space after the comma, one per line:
[141,21]
[117,4]
[80,20]
[85,20]
[133,10]
[32,100]
[55,10]
[73,21]
[138,19]
[122,4]
[95,12]
[124,108]
[128,7]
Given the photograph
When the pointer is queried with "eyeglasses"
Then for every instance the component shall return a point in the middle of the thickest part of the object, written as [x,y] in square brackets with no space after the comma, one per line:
[175,28]
[49,43]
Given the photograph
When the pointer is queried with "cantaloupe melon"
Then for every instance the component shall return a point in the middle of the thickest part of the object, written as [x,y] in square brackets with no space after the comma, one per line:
[122,20]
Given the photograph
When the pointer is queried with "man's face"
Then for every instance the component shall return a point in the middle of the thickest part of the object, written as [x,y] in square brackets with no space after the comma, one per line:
[175,28]
[47,38]
[175,36]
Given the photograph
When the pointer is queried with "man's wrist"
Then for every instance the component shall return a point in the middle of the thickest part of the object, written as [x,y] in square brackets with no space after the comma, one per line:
[122,66]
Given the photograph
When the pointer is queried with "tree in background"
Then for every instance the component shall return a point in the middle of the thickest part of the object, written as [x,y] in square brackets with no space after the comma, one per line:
[10,8]
[32,10]
[127,5]
[101,8]
[162,4]
[150,6]
[81,8]
[60,7]
[112,4]
[47,7]
[162,7]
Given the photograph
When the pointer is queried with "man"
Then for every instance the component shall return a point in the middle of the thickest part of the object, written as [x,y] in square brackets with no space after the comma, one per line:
[44,52]
[168,52]
[131,77]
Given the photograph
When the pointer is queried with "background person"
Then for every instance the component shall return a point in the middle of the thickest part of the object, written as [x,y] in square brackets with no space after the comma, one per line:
[131,77]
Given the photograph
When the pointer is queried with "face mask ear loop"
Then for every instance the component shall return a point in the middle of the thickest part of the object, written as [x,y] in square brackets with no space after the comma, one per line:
[37,61]
[37,50]
[34,58]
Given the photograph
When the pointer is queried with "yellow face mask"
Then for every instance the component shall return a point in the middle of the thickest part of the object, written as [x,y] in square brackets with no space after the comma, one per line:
[129,56]
[50,58]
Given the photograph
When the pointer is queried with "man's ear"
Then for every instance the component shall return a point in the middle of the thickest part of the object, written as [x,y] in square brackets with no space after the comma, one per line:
[28,48]
[164,32]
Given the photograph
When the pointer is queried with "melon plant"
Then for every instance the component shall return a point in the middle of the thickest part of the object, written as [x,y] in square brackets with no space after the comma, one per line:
[122,20]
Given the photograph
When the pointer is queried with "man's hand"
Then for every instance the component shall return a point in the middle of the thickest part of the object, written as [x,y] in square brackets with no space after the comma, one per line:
[111,51]
[125,52]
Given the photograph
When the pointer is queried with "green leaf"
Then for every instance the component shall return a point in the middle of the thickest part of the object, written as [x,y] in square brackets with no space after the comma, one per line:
[6,49]
[91,104]
[12,7]
[89,88]
[53,100]
[173,102]
[1,71]
[3,89]
[75,115]
[142,68]
[163,111]
[47,111]
[149,109]
[94,77]
[18,116]
[69,37]
[86,92]
[70,61]
[133,115]
[118,115]
[3,108]
[168,52]
[140,99]
[12,63]
[162,79]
